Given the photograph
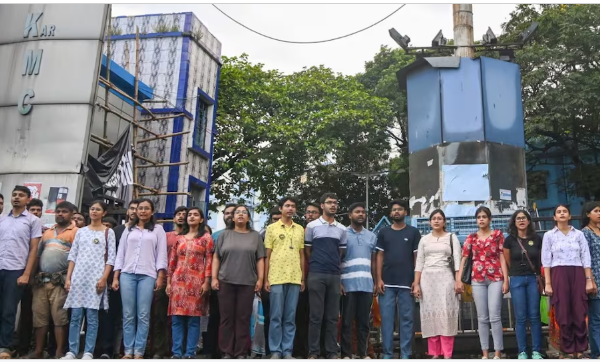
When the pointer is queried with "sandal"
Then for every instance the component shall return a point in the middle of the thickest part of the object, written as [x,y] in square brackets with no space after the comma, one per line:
[127,356]
[566,356]
[138,357]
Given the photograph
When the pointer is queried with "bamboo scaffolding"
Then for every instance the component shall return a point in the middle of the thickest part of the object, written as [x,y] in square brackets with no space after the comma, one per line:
[165,193]
[135,93]
[164,165]
[127,119]
[106,90]
[163,136]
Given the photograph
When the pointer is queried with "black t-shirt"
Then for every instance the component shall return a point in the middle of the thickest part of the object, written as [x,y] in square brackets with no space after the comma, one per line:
[398,248]
[119,232]
[518,261]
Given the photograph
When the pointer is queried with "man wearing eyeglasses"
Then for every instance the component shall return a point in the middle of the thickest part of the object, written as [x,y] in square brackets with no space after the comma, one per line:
[358,271]
[325,245]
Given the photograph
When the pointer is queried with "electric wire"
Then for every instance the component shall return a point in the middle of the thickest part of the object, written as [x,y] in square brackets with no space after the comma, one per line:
[306,42]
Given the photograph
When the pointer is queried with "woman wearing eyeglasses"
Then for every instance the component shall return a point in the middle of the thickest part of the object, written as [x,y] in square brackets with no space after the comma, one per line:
[522,252]
[238,270]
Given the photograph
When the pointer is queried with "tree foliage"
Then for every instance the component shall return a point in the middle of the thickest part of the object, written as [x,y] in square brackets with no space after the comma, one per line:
[302,134]
[561,88]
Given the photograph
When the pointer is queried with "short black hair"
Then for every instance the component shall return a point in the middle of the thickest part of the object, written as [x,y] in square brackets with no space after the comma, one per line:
[355,205]
[1,196]
[275,211]
[35,202]
[110,220]
[227,206]
[180,209]
[285,199]
[67,206]
[314,204]
[401,203]
[134,201]
[22,189]
[328,195]
[485,210]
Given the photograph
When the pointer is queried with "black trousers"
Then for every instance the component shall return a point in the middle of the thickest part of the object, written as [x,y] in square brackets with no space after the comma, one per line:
[324,300]
[356,306]
[211,336]
[107,330]
[264,296]
[25,331]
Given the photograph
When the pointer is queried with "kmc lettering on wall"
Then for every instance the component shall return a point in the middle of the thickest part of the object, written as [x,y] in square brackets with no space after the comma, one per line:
[32,60]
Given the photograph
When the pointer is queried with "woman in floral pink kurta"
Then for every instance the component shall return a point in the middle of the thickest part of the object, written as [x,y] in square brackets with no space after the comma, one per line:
[188,284]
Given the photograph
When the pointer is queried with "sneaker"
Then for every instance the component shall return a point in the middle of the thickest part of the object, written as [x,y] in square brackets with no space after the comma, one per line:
[87,356]
[288,356]
[69,355]
[275,356]
[105,356]
[523,355]
[175,357]
[536,355]
[497,357]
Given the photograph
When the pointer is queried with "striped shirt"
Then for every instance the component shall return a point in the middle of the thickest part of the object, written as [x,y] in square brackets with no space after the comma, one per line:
[325,240]
[356,268]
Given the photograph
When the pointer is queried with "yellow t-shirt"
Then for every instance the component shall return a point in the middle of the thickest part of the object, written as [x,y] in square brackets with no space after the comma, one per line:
[286,244]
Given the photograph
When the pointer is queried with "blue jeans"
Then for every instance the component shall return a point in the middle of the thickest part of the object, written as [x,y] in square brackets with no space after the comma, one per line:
[91,317]
[180,325]
[283,300]
[594,327]
[526,303]
[137,291]
[387,306]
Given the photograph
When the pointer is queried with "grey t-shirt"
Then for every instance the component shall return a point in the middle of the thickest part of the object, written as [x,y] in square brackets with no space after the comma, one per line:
[239,253]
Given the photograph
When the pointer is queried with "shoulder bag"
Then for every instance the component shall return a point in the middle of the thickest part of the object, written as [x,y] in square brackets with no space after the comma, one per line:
[468,267]
[451,258]
[541,281]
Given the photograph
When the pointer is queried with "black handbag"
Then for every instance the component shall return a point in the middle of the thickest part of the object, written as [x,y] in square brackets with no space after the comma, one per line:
[468,268]
[451,258]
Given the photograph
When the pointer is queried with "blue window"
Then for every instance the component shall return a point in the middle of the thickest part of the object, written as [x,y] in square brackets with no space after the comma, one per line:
[201,131]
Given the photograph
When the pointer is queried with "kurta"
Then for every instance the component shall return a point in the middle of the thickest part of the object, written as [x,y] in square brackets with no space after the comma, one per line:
[190,264]
[439,303]
[87,252]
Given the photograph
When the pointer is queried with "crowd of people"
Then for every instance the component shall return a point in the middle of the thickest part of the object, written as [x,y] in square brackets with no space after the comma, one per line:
[137,286]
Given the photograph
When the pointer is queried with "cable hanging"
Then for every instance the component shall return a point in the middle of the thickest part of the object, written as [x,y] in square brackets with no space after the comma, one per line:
[307,42]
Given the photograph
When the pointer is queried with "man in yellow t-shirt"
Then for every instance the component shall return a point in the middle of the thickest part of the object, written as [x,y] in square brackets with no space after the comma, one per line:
[284,241]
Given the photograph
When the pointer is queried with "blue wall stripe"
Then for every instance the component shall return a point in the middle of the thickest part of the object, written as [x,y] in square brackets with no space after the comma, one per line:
[212,138]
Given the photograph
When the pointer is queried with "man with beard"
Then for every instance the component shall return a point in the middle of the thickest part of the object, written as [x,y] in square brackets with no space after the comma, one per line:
[325,244]
[49,294]
[160,321]
[211,336]
[397,247]
[110,331]
[358,270]
[20,233]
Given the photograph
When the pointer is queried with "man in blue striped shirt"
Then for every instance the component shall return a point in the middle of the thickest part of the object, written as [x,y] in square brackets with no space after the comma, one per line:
[325,245]
[358,271]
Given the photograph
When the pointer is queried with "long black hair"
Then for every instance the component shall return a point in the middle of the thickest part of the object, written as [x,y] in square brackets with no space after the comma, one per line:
[587,208]
[438,211]
[231,226]
[201,228]
[149,225]
[512,224]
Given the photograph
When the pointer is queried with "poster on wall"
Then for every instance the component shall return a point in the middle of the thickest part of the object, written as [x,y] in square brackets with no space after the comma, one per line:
[35,188]
[56,195]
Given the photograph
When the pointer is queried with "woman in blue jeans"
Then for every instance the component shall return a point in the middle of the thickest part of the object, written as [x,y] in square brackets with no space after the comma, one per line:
[590,223]
[139,271]
[90,262]
[523,252]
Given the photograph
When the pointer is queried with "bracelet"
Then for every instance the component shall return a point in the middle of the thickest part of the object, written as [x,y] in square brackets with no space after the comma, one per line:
[588,278]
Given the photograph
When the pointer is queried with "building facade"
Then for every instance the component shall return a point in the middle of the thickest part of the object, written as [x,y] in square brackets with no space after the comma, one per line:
[181,61]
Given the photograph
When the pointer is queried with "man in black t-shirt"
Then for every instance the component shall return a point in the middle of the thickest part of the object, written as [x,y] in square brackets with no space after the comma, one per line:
[396,256]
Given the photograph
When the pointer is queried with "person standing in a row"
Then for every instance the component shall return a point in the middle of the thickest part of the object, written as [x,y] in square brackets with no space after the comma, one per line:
[489,279]
[284,243]
[523,252]
[358,273]
[139,271]
[567,268]
[190,267]
[91,259]
[590,223]
[237,273]
[437,285]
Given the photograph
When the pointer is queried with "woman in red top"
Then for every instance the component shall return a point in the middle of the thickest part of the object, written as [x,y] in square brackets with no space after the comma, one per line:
[489,279]
[188,285]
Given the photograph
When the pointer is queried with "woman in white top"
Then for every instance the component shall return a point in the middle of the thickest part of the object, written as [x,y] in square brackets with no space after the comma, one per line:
[437,284]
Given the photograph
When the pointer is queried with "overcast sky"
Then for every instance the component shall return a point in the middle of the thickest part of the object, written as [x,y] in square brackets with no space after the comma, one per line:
[308,22]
